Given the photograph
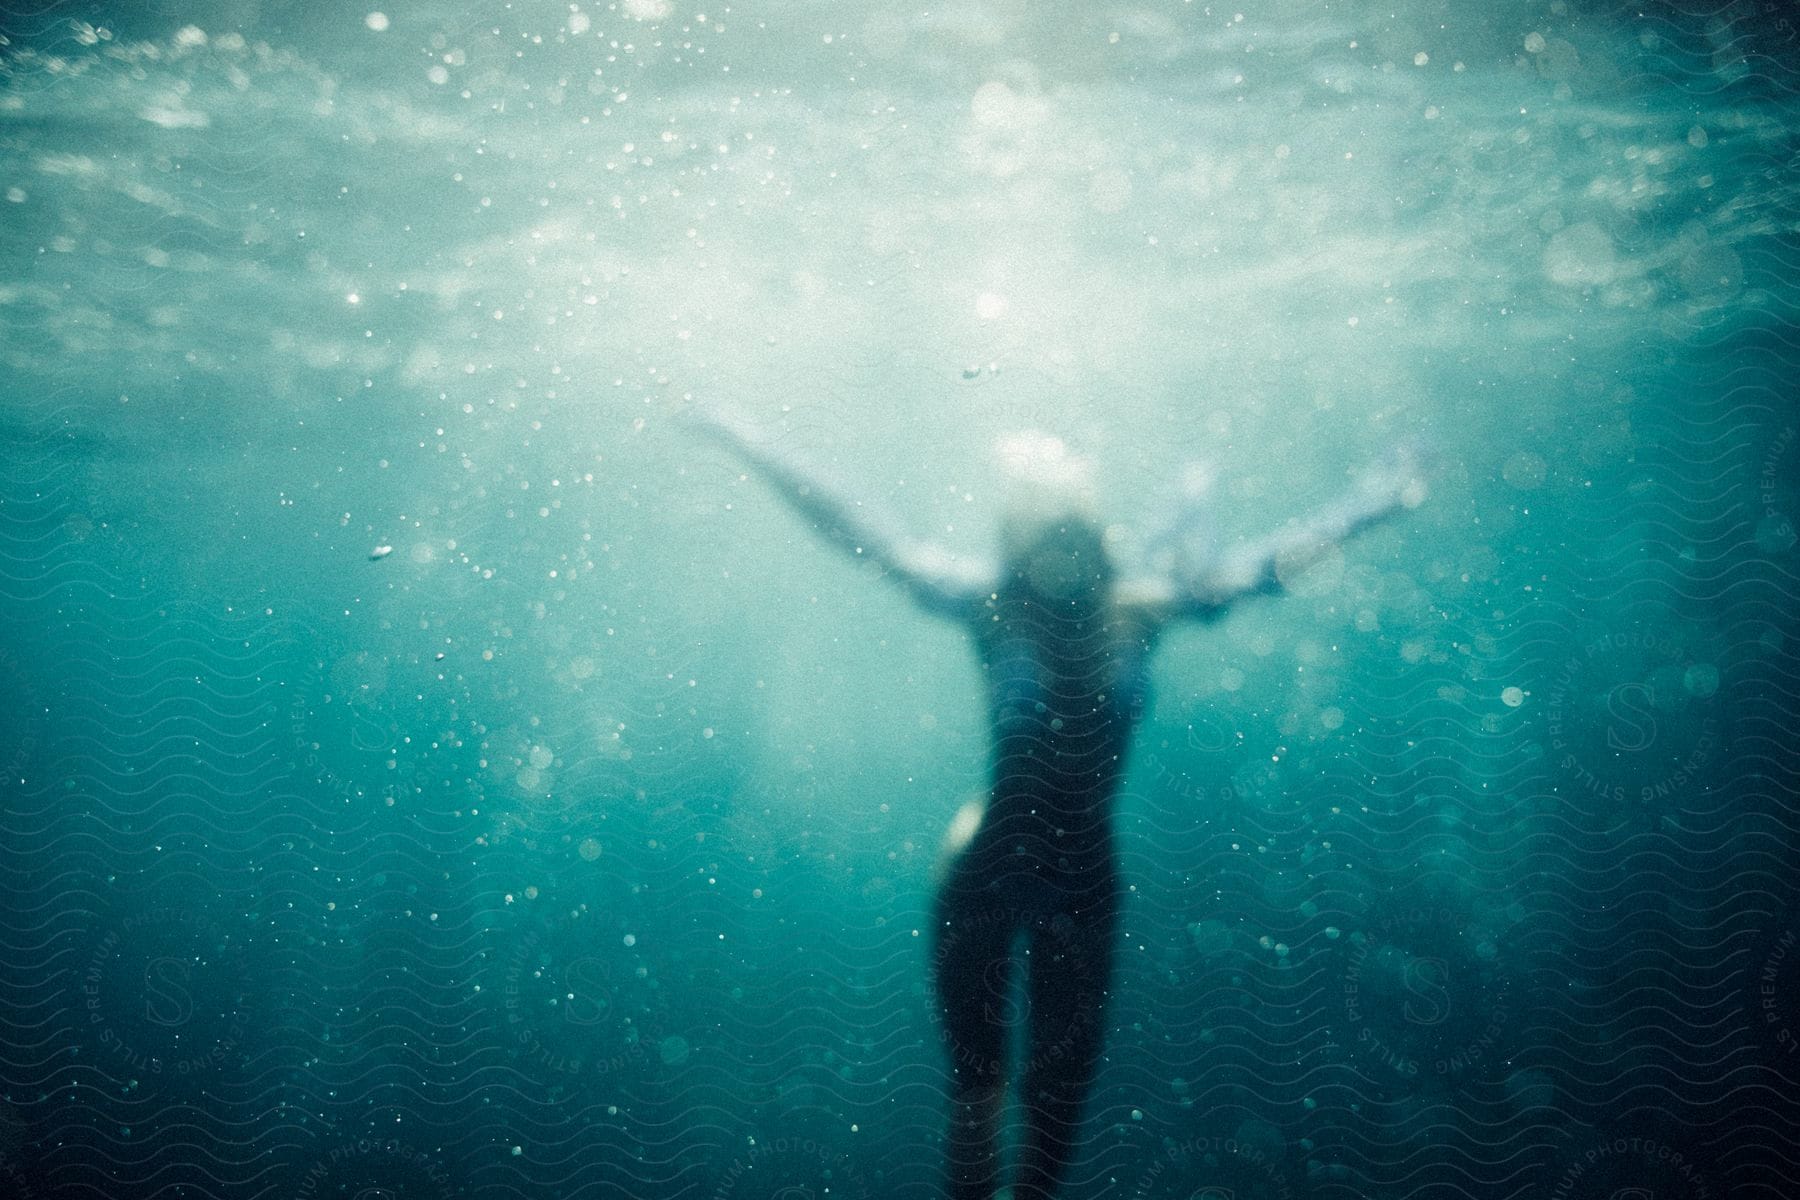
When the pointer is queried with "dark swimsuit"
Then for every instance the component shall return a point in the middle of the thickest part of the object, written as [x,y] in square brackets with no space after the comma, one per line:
[1064,698]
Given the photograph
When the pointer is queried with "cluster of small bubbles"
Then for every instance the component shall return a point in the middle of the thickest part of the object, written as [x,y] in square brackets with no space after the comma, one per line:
[1580,256]
[1525,471]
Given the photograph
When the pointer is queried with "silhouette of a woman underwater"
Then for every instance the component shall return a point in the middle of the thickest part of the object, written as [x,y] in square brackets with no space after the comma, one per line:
[1064,642]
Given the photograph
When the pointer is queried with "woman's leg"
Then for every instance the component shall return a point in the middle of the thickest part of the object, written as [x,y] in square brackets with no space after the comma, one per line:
[972,970]
[1070,970]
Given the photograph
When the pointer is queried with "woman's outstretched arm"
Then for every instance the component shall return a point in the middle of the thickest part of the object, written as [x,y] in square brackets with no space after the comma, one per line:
[938,580]
[1257,567]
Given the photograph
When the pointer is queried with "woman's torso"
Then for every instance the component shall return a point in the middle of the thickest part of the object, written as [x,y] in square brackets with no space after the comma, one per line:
[1065,693]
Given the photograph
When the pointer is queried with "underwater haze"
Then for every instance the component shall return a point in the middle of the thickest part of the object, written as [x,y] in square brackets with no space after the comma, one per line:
[432,770]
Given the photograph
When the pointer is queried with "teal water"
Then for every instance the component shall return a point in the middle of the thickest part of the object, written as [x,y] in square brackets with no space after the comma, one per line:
[432,769]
